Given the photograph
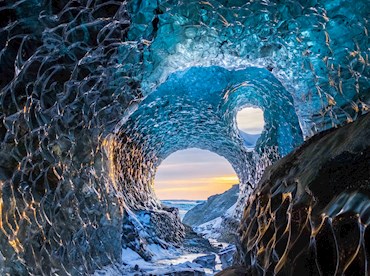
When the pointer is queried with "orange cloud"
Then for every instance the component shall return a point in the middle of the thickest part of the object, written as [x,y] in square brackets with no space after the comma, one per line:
[226,179]
[193,174]
[194,188]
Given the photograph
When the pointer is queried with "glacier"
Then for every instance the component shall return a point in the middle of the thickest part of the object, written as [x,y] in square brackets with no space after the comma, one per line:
[96,94]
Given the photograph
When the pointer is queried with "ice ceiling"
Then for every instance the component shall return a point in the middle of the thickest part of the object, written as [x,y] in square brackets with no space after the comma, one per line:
[95,94]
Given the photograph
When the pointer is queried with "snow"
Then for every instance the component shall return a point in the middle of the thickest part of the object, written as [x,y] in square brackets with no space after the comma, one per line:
[144,218]
[130,256]
[171,259]
[211,229]
[184,267]
[160,253]
[164,261]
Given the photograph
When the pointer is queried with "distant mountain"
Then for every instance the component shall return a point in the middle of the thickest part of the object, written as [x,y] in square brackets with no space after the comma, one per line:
[215,206]
[182,204]
[250,140]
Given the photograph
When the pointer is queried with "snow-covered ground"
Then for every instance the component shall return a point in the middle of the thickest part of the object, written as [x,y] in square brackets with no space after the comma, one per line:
[173,260]
[163,262]
[212,229]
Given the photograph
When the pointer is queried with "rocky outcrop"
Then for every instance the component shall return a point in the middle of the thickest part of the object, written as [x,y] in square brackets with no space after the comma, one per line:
[237,271]
[310,212]
[195,243]
[207,261]
[227,255]
[215,206]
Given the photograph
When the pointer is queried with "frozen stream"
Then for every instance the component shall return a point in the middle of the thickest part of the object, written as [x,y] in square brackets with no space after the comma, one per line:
[164,262]
[190,257]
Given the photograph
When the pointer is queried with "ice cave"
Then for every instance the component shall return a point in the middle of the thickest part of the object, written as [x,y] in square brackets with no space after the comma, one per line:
[95,94]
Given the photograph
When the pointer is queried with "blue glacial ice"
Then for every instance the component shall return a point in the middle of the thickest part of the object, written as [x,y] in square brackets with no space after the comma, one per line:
[95,94]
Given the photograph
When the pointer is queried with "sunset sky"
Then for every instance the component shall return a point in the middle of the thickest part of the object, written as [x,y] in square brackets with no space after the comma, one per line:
[198,174]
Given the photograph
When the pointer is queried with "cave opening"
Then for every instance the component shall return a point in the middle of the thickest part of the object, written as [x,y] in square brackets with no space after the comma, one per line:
[193,174]
[250,122]
[203,188]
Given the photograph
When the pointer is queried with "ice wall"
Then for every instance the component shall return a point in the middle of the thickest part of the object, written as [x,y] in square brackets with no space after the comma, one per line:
[72,74]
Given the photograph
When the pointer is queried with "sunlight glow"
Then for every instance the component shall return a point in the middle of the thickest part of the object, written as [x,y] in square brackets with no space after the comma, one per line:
[193,174]
[250,120]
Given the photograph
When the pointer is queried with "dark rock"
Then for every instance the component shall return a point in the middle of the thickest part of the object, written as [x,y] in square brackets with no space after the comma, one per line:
[227,256]
[195,243]
[184,269]
[237,271]
[208,261]
[319,194]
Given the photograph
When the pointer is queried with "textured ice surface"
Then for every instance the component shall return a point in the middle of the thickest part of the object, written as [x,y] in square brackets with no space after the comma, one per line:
[197,108]
[311,211]
[94,93]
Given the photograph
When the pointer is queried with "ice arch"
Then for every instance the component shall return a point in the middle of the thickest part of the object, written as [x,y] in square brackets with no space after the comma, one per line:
[197,108]
[317,49]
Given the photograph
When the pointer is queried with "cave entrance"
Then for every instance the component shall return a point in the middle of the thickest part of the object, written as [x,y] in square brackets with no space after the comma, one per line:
[200,181]
[193,174]
[189,177]
[198,107]
[204,187]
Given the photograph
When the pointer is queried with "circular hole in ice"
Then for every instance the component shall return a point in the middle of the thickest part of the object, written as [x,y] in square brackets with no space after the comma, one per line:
[250,123]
